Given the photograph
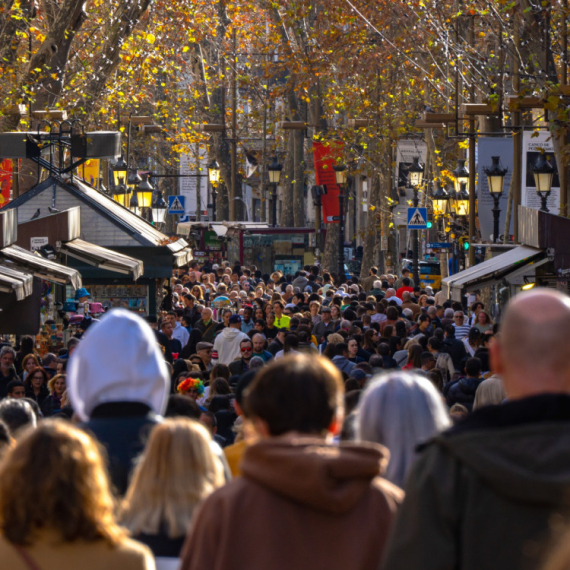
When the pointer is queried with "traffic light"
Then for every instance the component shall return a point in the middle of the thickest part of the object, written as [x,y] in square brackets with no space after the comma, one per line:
[429,225]
[464,243]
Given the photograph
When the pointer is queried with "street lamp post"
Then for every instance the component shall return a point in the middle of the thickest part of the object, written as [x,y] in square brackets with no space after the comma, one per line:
[144,195]
[340,176]
[415,177]
[543,173]
[496,179]
[274,169]
[214,178]
[158,208]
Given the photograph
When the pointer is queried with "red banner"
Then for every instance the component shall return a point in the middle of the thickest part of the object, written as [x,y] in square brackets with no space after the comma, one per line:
[5,181]
[325,155]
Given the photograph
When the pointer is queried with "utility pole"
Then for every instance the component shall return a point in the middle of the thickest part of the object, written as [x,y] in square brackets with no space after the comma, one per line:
[233,185]
[472,140]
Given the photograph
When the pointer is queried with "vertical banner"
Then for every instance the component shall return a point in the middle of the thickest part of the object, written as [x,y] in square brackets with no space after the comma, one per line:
[5,181]
[533,147]
[193,164]
[325,155]
[487,148]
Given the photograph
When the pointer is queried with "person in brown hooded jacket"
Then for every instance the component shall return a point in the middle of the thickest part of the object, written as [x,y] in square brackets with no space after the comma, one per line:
[301,503]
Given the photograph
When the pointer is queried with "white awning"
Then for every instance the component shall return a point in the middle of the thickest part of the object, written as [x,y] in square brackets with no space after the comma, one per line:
[13,280]
[103,257]
[493,270]
[42,267]
[182,258]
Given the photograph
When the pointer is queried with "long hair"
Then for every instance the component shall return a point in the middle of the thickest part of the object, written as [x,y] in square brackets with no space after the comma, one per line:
[31,374]
[52,382]
[177,471]
[415,355]
[401,410]
[71,496]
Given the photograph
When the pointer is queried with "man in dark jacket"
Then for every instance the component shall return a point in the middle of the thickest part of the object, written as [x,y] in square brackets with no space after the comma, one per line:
[509,463]
[463,391]
[238,367]
[455,348]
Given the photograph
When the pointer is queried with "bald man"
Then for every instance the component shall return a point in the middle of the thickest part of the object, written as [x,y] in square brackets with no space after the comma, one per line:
[484,493]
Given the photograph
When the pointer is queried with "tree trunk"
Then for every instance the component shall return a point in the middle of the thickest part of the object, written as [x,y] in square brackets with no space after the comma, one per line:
[330,256]
[299,186]
[287,196]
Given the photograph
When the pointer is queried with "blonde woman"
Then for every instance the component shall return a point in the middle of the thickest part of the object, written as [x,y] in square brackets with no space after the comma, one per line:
[176,472]
[52,404]
[65,518]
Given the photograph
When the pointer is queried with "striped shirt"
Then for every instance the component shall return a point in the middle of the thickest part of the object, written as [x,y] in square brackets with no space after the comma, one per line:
[461,331]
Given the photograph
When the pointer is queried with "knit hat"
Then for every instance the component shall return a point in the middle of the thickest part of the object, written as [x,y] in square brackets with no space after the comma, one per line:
[118,360]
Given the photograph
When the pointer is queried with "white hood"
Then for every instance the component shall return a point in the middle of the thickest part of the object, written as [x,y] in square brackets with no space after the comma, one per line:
[118,360]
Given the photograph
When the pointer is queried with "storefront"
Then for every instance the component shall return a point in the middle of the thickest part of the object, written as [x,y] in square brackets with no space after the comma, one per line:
[123,259]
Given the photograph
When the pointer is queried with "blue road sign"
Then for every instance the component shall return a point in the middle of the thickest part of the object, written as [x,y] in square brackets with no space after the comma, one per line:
[176,204]
[438,245]
[417,218]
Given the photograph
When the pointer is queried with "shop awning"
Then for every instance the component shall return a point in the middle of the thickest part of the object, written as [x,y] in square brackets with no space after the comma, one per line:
[12,280]
[102,257]
[493,270]
[41,267]
[181,258]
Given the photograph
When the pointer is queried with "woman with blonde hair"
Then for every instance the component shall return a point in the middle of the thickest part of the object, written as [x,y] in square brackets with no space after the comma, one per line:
[65,518]
[176,472]
[52,404]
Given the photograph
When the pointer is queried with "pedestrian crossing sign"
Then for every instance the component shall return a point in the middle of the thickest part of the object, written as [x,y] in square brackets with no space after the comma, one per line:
[417,218]
[176,204]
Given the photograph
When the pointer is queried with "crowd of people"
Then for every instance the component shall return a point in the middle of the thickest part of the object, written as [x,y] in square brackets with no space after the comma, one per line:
[288,421]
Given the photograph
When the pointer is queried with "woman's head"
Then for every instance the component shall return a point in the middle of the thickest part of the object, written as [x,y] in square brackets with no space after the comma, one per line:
[176,472]
[220,371]
[29,362]
[191,387]
[258,314]
[352,347]
[56,385]
[401,410]
[72,495]
[36,378]
[335,312]
[483,318]
[219,387]
[197,292]
[415,355]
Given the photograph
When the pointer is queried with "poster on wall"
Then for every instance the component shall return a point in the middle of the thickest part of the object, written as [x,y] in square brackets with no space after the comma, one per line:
[533,147]
[325,155]
[487,148]
[194,164]
[5,181]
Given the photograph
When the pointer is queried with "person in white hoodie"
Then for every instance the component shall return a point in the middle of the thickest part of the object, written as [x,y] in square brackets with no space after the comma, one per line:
[118,384]
[227,343]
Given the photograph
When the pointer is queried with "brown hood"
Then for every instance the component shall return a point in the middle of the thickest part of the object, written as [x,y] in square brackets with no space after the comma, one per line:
[306,470]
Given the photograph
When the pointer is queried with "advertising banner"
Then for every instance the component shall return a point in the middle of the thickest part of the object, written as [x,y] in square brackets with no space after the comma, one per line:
[5,181]
[325,155]
[487,148]
[194,163]
[533,146]
[89,171]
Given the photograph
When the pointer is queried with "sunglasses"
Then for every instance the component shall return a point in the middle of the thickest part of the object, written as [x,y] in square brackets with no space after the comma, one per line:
[246,349]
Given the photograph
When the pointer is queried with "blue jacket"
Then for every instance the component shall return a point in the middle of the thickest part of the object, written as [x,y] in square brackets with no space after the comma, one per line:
[463,392]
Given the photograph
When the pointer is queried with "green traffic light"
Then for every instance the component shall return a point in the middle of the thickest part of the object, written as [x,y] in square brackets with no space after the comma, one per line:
[465,245]
[429,225]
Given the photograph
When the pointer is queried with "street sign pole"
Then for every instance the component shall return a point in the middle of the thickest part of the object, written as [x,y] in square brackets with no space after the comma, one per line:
[416,245]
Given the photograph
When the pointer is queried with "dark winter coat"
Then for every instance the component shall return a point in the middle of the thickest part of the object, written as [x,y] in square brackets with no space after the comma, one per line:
[463,392]
[483,494]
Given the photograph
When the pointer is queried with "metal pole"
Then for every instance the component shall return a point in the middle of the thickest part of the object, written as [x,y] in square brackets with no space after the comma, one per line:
[416,245]
[199,190]
[496,216]
[214,202]
[318,223]
[234,132]
[472,191]
[274,205]
[341,233]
